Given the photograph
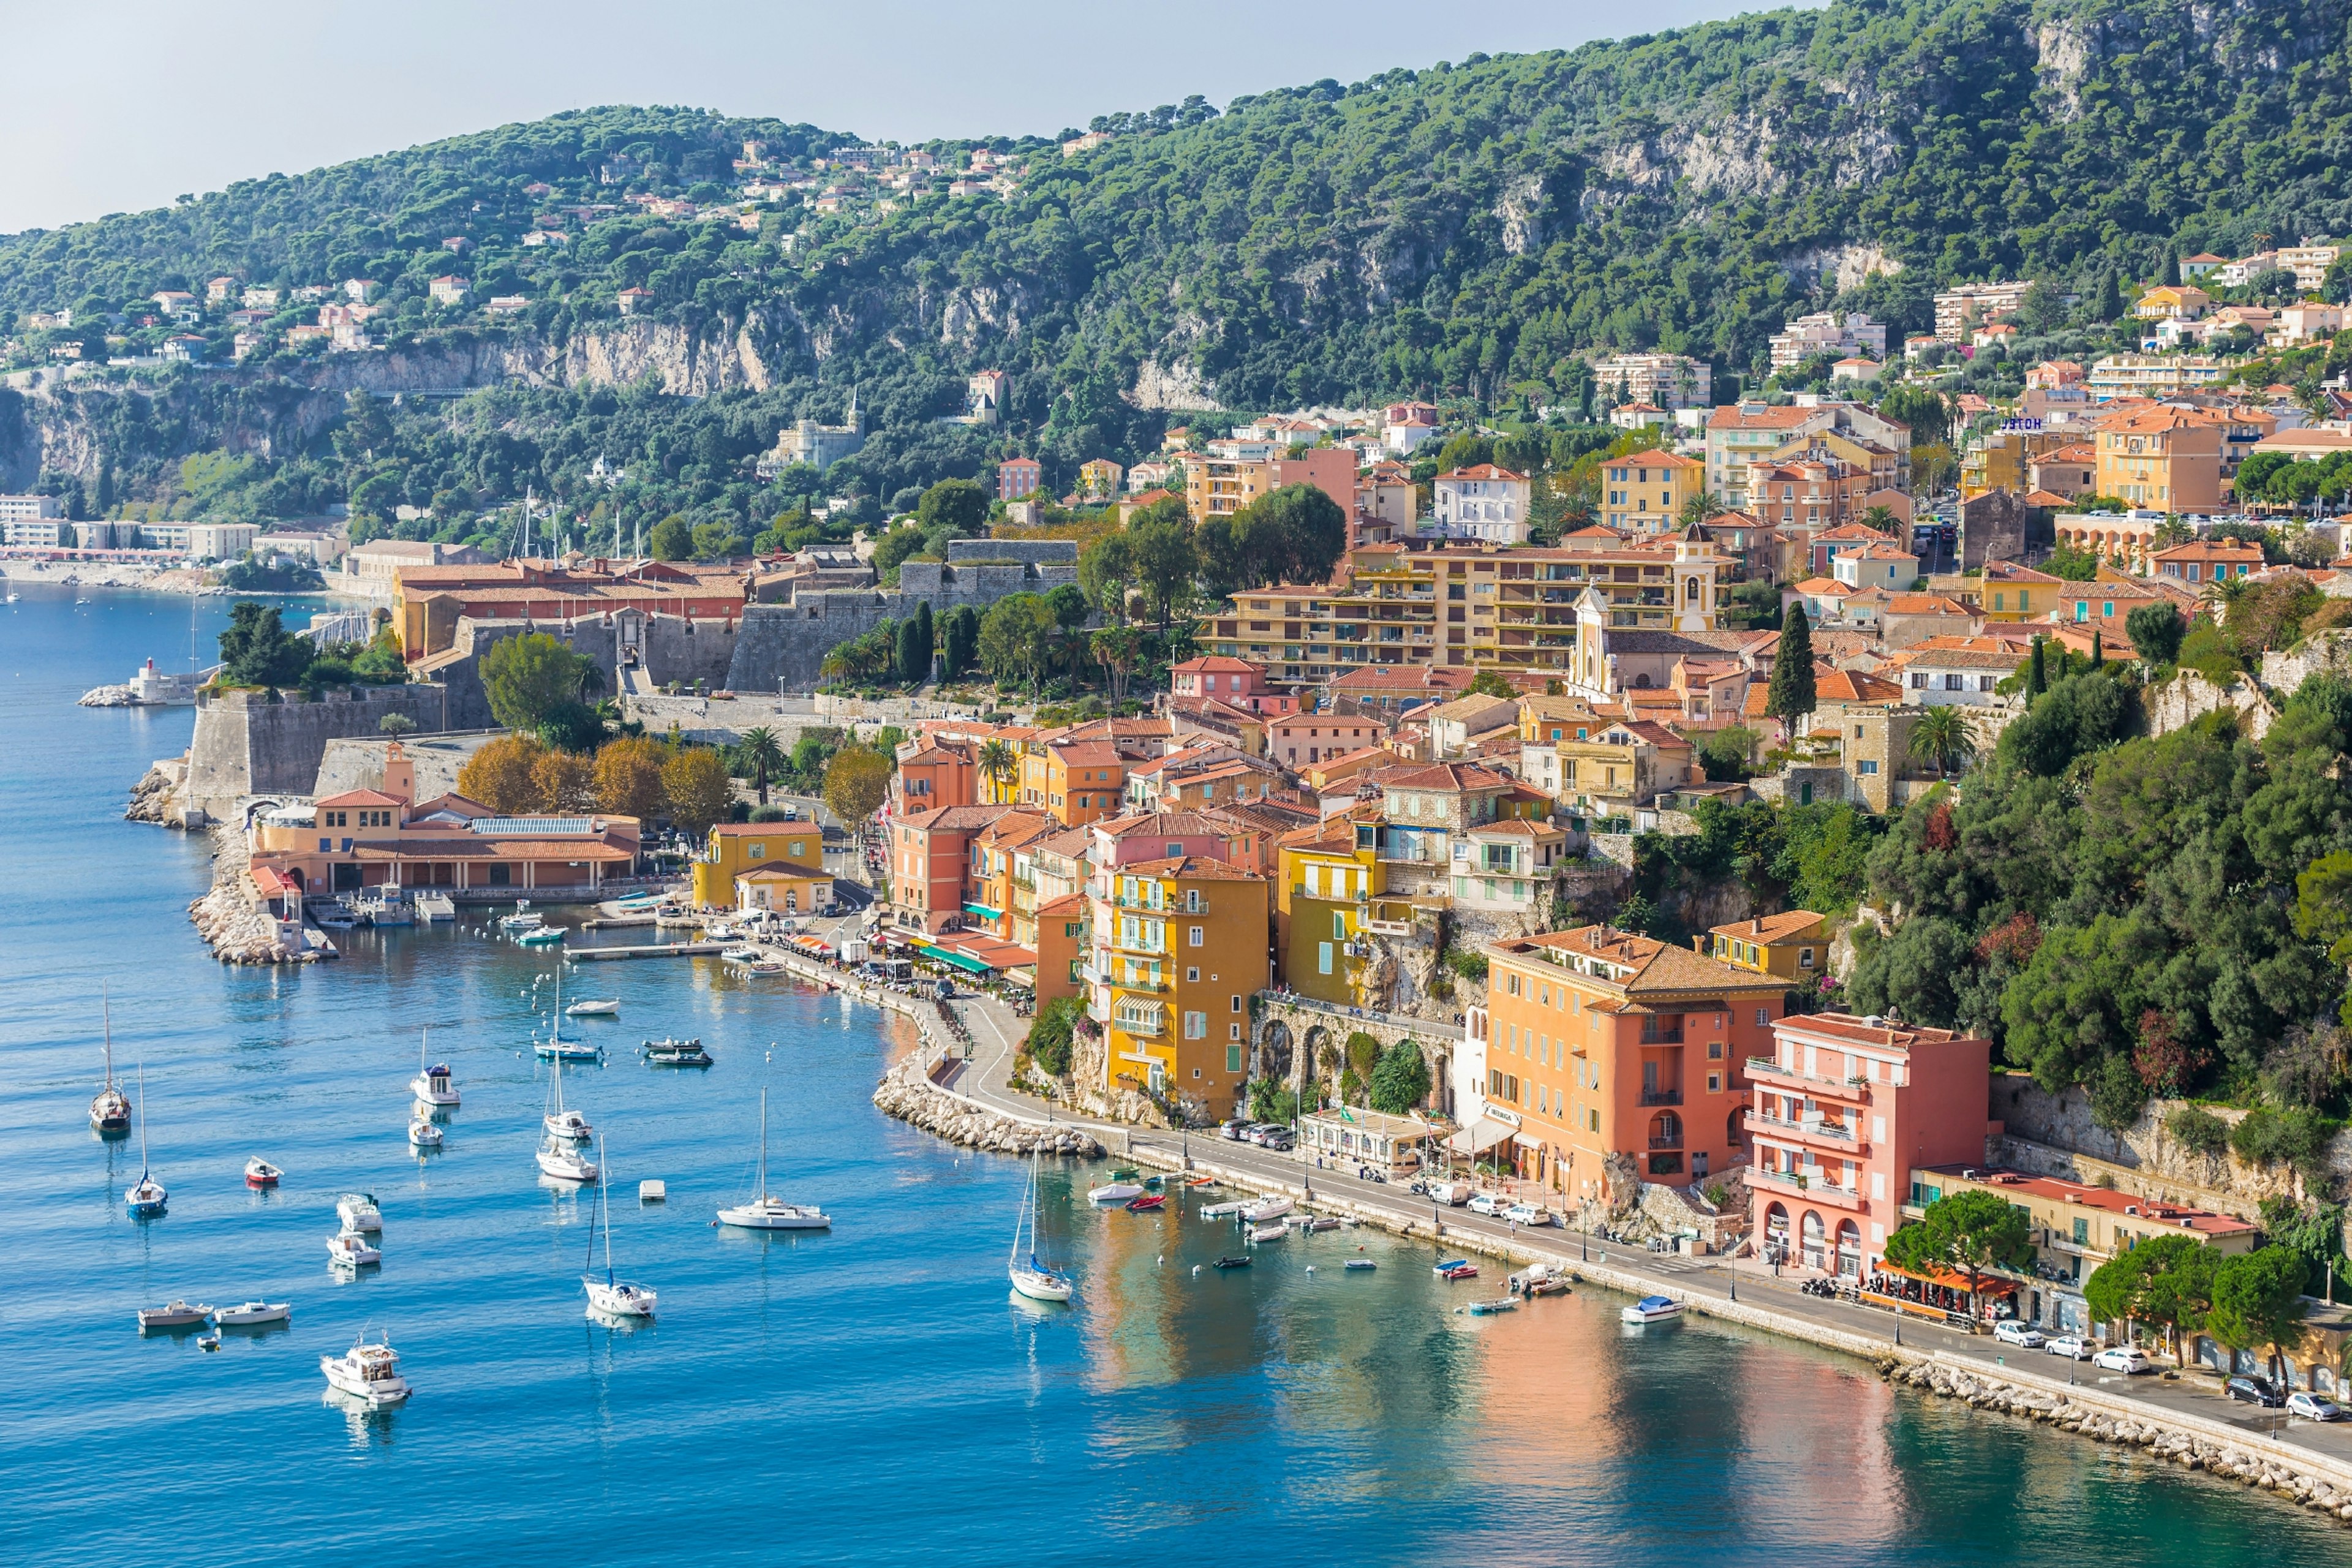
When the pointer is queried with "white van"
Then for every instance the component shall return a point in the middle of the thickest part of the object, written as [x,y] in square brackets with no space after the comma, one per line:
[1453,1194]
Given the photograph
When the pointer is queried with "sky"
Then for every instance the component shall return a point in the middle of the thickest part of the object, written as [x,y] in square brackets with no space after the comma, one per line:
[119,105]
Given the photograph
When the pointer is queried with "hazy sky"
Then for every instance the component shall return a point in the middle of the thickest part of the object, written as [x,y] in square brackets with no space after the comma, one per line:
[115,105]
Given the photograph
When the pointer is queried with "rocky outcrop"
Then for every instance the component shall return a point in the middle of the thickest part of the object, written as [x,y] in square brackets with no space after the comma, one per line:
[240,932]
[152,798]
[2191,1450]
[907,1093]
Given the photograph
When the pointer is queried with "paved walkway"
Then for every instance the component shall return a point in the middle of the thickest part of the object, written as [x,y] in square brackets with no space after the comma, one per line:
[996,1033]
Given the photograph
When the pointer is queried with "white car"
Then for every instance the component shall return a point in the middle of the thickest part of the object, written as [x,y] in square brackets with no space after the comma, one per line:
[1489,1204]
[1528,1214]
[2073,1347]
[2127,1359]
[2313,1406]
[2015,1333]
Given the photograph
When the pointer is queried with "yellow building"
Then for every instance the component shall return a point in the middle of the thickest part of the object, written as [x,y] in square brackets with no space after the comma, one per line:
[1326,879]
[1179,947]
[785,890]
[1643,492]
[737,848]
[1792,944]
[2166,458]
[1098,479]
[2007,592]
[1219,487]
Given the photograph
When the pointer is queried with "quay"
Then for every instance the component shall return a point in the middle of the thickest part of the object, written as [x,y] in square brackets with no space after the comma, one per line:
[654,950]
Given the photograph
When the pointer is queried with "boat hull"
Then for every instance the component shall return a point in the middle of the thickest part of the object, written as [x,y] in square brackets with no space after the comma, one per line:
[566,1170]
[1272,1208]
[250,1316]
[1039,1286]
[360,1218]
[178,1315]
[751,1218]
[375,1392]
[428,1094]
[1116,1193]
[619,1300]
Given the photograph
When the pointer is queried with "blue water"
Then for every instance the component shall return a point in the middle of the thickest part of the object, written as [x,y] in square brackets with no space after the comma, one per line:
[873,1394]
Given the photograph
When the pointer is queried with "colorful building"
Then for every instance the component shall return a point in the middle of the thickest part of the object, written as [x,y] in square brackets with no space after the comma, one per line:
[1179,947]
[737,848]
[1793,944]
[1327,882]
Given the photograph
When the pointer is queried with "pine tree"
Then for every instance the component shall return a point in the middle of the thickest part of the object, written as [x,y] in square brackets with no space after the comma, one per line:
[2036,676]
[1790,697]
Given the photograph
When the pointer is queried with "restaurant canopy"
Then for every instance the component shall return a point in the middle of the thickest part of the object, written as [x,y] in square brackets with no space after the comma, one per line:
[1480,1135]
[1987,1285]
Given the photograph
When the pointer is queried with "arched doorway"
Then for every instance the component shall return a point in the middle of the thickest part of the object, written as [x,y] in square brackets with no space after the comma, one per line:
[1775,1232]
[1816,1239]
[1849,1250]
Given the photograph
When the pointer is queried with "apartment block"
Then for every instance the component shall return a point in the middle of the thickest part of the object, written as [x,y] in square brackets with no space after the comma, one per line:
[1825,332]
[1959,311]
[1668,380]
[1179,945]
[1644,492]
[2169,459]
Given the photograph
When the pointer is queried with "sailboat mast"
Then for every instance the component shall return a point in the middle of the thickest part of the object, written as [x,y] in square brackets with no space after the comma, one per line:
[604,1169]
[106,1013]
[143,1119]
[763,1143]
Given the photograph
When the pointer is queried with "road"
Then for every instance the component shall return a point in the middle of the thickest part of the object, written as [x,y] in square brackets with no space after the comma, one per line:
[997,1032]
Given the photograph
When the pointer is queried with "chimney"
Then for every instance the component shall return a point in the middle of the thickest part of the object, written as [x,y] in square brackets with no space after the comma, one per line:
[1756,925]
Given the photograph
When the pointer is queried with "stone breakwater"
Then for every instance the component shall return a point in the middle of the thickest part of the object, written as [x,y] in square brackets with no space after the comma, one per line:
[232,920]
[907,1093]
[2165,1441]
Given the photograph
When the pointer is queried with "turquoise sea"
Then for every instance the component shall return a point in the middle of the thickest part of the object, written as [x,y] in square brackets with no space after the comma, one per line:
[871,1394]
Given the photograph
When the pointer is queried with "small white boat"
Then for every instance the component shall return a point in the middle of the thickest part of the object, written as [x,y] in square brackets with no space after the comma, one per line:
[110,1110]
[422,1133]
[1653,1310]
[178,1314]
[336,920]
[367,1371]
[1223,1211]
[522,919]
[246,1314]
[673,1053]
[766,1210]
[146,1200]
[610,1295]
[593,1009]
[561,1159]
[541,936]
[560,1123]
[1031,1276]
[742,955]
[1115,1193]
[350,1250]
[1267,1209]
[358,1212]
[1268,1232]
[767,966]
[433,1084]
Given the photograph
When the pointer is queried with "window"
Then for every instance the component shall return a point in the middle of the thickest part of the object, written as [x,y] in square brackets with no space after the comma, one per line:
[1191,976]
[1762,1017]
[1595,1115]
[1237,1004]
[1714,1050]
[1804,958]
[1865,767]
[2082,1233]
[1233,1031]
[1196,939]
[1715,1083]
[1323,956]
[1196,1025]
[757,852]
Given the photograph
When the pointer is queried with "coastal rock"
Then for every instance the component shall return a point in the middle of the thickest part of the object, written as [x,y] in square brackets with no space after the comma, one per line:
[151,798]
[907,1093]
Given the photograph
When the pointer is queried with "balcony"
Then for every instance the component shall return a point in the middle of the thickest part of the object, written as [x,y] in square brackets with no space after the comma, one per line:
[1663,1097]
[1767,1070]
[1818,1191]
[1666,1143]
[1842,1139]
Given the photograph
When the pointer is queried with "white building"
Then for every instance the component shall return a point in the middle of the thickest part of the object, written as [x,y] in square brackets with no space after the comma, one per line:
[2309,261]
[1669,380]
[1825,333]
[28,509]
[1484,502]
[1944,676]
[201,540]
[1406,438]
[31,535]
[1959,311]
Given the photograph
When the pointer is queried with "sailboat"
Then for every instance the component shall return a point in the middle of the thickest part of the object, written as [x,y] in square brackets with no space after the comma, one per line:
[616,1298]
[1031,1278]
[431,1085]
[559,1151]
[568,1125]
[555,1048]
[766,1210]
[145,1200]
[110,1112]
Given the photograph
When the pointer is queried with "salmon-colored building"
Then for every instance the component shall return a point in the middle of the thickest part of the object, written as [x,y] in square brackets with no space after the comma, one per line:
[1062,947]
[1608,1049]
[938,775]
[930,862]
[1844,1110]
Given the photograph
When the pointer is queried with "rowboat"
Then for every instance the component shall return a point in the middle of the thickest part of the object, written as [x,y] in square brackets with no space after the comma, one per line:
[1489,1309]
[1147,1202]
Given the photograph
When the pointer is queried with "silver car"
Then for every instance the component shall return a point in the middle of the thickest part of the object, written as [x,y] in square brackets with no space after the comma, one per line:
[2023,1335]
[2313,1406]
[2073,1347]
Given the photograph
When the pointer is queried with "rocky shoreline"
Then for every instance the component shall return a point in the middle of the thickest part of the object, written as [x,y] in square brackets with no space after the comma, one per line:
[907,1093]
[2160,1440]
[232,922]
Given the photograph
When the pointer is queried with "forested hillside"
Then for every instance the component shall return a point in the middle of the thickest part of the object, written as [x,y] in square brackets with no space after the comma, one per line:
[1476,230]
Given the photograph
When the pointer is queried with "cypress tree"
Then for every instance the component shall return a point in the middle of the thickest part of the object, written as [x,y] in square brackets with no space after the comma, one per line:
[927,641]
[2098,648]
[2110,301]
[908,654]
[2036,676]
[2172,266]
[1790,697]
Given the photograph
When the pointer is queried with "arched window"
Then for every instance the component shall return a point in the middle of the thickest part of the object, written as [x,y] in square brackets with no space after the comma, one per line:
[1690,590]
[1776,1222]
[1665,1130]
[1849,1249]
[1815,1251]
[1641,681]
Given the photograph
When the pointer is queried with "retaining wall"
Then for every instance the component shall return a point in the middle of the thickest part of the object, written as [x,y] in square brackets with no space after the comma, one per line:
[245,745]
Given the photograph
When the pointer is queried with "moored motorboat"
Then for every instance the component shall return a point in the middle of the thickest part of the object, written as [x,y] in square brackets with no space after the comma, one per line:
[250,1314]
[1268,1232]
[176,1314]
[675,1054]
[1115,1193]
[1232,1262]
[1459,1268]
[740,955]
[541,936]
[765,1211]
[522,919]
[1653,1310]
[423,1133]
[1223,1211]
[1267,1209]
[593,1009]
[367,1371]
[1145,1204]
[1489,1309]
[1539,1280]
[350,1251]
[1362,1264]
[358,1212]
[261,1173]
[432,1084]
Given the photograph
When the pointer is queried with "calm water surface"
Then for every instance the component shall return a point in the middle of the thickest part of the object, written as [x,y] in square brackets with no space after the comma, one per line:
[872,1394]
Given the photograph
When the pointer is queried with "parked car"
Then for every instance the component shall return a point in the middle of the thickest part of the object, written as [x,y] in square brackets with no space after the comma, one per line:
[2313,1406]
[2073,1347]
[1234,1129]
[1264,1131]
[2024,1335]
[2258,1390]
[1489,1204]
[1280,1141]
[1453,1194]
[2124,1359]
[1528,1214]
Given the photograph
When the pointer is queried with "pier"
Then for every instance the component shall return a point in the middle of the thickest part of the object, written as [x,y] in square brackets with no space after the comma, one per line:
[654,950]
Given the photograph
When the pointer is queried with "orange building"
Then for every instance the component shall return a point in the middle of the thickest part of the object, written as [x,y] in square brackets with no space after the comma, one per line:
[1062,947]
[1085,782]
[939,774]
[1614,1048]
[931,861]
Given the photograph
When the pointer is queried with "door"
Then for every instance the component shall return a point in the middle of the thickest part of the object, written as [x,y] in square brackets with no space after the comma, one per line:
[347,879]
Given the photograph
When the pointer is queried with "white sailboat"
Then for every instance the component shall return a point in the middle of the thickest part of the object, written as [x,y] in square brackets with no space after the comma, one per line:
[109,1113]
[560,1123]
[766,1210]
[147,1199]
[555,1048]
[559,1151]
[431,1085]
[612,1297]
[1031,1278]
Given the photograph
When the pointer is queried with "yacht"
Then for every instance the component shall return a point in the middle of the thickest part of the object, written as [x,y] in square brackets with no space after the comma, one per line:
[109,1113]
[1031,1277]
[431,1085]
[147,1199]
[358,1212]
[350,1250]
[1653,1310]
[179,1314]
[611,1296]
[766,1210]
[423,1133]
[593,1009]
[560,1158]
[251,1314]
[522,919]
[367,1371]
[567,1125]
[261,1173]
[1267,1209]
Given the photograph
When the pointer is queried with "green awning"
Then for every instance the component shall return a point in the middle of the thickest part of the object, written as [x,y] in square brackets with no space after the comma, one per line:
[983,911]
[960,959]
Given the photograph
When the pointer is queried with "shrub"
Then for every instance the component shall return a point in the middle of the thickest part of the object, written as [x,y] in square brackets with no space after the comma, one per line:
[2201,1130]
[1468,964]
[1050,1034]
[769,813]
[2296,1137]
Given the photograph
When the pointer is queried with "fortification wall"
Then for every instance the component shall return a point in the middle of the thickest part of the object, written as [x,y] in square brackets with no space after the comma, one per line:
[779,647]
[246,744]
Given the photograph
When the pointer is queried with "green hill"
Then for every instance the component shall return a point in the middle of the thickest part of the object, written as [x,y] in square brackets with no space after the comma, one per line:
[1477,230]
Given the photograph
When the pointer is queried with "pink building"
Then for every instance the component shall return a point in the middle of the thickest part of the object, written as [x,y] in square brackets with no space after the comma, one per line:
[1844,1111]
[1017,476]
[1235,683]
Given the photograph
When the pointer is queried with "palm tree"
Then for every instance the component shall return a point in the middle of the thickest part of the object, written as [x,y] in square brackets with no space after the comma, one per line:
[1116,648]
[1701,506]
[758,750]
[1881,518]
[1944,738]
[997,763]
[592,681]
[836,667]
